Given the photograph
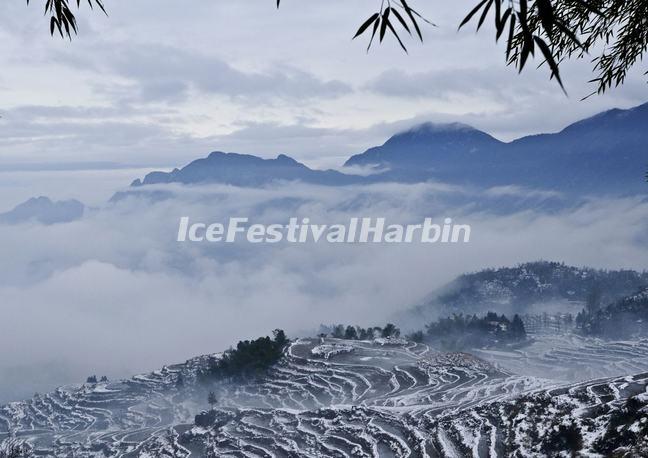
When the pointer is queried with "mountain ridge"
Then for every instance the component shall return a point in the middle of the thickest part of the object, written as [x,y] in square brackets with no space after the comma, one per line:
[599,154]
[244,170]
[604,154]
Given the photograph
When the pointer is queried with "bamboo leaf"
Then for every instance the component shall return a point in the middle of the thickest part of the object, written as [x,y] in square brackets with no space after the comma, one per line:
[472,13]
[391,27]
[384,23]
[409,12]
[549,58]
[546,13]
[374,17]
[401,20]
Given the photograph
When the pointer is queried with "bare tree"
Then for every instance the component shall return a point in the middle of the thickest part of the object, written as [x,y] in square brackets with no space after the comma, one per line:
[212,399]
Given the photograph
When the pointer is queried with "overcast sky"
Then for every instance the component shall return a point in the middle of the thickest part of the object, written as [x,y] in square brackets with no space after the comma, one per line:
[161,82]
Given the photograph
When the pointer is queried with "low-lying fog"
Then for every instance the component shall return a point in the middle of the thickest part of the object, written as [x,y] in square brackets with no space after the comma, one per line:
[114,294]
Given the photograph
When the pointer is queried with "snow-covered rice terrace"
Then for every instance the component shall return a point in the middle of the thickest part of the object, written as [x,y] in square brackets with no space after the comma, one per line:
[570,357]
[339,398]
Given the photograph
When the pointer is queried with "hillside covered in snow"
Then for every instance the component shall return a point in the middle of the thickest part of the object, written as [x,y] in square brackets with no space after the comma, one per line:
[533,287]
[339,398]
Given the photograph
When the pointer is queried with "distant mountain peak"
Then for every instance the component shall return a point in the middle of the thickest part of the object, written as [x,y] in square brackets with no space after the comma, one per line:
[287,159]
[603,154]
[245,170]
[40,200]
[216,154]
[433,127]
[635,118]
[232,158]
[43,210]
[428,146]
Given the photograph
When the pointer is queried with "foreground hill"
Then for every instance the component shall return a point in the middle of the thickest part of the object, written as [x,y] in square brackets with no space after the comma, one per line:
[534,287]
[599,418]
[332,397]
[605,154]
[316,378]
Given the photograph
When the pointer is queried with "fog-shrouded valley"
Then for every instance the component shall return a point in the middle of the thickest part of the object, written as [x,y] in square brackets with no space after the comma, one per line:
[530,340]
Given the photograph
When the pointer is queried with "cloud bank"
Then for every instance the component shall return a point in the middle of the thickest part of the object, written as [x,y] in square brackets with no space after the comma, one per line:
[114,293]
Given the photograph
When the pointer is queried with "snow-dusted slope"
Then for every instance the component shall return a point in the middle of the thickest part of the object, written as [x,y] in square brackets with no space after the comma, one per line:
[593,418]
[529,288]
[569,357]
[588,417]
[324,398]
[103,414]
[396,380]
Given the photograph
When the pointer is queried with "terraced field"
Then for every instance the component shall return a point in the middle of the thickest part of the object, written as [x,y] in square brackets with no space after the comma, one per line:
[594,418]
[324,398]
[404,374]
[98,415]
[569,357]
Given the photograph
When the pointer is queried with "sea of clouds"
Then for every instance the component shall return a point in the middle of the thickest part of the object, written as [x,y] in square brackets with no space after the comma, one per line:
[114,293]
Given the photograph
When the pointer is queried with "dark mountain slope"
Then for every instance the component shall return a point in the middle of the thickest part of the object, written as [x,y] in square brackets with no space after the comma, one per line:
[518,289]
[604,154]
[624,318]
[431,146]
[246,170]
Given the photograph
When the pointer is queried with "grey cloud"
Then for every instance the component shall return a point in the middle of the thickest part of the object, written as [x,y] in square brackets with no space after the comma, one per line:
[138,135]
[438,84]
[74,135]
[502,102]
[102,132]
[165,73]
[119,272]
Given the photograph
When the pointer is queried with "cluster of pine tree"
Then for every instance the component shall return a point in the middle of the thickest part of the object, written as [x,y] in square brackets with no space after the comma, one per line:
[16,451]
[469,331]
[626,428]
[541,281]
[624,318]
[250,358]
[339,331]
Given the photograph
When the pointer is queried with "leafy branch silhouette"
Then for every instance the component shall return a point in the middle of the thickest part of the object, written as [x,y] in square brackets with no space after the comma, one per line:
[61,17]
[552,30]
